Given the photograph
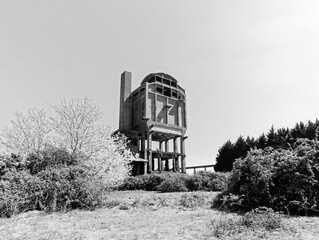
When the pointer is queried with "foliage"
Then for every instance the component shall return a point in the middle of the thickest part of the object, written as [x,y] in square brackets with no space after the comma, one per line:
[152,181]
[74,129]
[132,183]
[192,201]
[285,180]
[28,134]
[176,182]
[66,162]
[77,130]
[53,186]
[260,219]
[282,138]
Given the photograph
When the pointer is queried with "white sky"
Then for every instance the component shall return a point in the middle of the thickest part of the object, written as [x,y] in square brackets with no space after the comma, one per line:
[245,65]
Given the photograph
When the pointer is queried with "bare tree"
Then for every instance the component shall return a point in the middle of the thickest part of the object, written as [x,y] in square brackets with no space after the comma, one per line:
[77,130]
[75,125]
[28,133]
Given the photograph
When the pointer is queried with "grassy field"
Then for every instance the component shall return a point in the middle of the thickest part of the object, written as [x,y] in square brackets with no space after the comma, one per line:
[150,215]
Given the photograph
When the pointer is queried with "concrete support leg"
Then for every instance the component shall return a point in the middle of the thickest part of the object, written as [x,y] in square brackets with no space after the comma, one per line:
[145,167]
[149,150]
[161,145]
[166,146]
[177,164]
[175,144]
[183,156]
[159,163]
[166,165]
[144,149]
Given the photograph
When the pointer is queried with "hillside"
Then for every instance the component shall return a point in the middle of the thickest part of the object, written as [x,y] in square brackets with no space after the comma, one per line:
[148,215]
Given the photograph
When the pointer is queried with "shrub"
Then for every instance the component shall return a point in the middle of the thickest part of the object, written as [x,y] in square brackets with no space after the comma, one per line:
[19,191]
[262,217]
[132,183]
[174,184]
[152,181]
[50,185]
[192,200]
[285,180]
[207,181]
[252,223]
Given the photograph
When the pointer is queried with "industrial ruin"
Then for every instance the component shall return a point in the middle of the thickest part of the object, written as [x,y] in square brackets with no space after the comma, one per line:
[153,118]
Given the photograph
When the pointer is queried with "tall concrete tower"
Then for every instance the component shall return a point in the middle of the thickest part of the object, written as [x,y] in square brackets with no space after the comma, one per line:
[154,114]
[125,103]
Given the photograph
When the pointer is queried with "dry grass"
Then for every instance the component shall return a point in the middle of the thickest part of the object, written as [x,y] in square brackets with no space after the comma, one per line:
[147,215]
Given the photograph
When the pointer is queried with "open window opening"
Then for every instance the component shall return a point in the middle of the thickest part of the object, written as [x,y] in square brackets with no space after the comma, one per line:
[159,89]
[174,93]
[167,82]
[167,91]
[151,80]
[158,79]
[173,84]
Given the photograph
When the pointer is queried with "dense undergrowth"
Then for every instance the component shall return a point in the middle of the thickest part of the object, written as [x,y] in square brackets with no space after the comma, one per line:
[177,182]
[284,180]
[51,181]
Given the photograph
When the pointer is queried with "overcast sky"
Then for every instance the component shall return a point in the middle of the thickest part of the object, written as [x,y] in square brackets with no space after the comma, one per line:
[245,65]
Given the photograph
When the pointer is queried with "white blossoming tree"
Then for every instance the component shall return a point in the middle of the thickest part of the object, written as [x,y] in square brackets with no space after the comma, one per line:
[28,133]
[76,129]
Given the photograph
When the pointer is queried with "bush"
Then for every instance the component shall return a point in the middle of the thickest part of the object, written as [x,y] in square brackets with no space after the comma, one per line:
[192,201]
[153,180]
[208,181]
[47,182]
[171,182]
[285,180]
[262,217]
[132,183]
[252,223]
[174,184]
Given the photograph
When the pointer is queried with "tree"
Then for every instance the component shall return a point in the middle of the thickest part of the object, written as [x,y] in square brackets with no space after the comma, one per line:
[75,126]
[77,130]
[28,133]
[262,141]
[225,157]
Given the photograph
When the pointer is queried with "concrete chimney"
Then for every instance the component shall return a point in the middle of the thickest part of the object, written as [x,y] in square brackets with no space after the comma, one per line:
[125,101]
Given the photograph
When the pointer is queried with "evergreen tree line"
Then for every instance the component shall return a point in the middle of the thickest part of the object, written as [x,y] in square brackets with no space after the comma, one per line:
[282,138]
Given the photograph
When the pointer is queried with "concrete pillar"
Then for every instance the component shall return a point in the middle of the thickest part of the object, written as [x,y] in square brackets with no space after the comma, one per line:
[166,146]
[145,168]
[177,163]
[175,144]
[161,145]
[166,165]
[183,162]
[175,159]
[149,150]
[160,163]
[144,148]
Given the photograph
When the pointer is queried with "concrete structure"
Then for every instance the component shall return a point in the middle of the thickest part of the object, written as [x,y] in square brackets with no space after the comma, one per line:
[153,117]
[201,167]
